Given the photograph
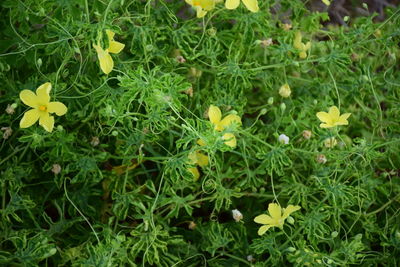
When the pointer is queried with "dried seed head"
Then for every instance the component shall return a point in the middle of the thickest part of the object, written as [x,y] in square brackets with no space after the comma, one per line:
[307,134]
[321,158]
[189,91]
[7,132]
[56,169]
[266,42]
[180,59]
[95,141]
[10,109]
[286,26]
[192,225]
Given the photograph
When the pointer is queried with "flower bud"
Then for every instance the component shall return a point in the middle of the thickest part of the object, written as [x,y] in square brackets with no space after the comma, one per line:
[334,234]
[330,142]
[285,91]
[270,100]
[283,107]
[237,215]
[192,225]
[263,111]
[290,220]
[283,139]
[95,141]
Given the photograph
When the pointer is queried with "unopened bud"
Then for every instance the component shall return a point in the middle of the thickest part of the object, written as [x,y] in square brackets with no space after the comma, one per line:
[270,100]
[250,258]
[283,107]
[283,139]
[330,142]
[263,111]
[290,220]
[237,215]
[285,91]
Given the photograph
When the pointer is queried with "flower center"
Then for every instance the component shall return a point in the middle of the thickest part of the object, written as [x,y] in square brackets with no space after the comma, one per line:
[42,108]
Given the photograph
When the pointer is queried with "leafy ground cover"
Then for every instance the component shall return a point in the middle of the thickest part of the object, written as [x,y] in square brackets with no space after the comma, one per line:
[173,133]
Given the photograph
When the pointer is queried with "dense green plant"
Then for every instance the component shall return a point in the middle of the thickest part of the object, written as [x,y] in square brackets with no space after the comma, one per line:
[110,185]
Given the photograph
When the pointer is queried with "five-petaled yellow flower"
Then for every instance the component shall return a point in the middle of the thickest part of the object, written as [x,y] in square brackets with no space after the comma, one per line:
[201,6]
[299,45]
[251,5]
[215,116]
[332,118]
[42,107]
[276,218]
[106,61]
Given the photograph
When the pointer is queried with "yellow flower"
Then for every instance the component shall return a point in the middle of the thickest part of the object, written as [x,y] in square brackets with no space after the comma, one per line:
[201,6]
[276,218]
[197,158]
[42,107]
[301,46]
[332,118]
[215,116]
[106,61]
[251,5]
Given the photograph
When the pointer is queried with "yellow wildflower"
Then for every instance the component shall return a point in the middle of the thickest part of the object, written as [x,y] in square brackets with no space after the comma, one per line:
[106,61]
[197,158]
[215,116]
[201,6]
[42,107]
[276,218]
[251,5]
[332,118]
[301,46]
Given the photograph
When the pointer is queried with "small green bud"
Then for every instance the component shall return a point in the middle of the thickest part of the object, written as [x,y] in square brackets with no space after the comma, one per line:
[263,111]
[291,249]
[334,234]
[114,133]
[60,128]
[290,220]
[270,100]
[39,62]
[283,107]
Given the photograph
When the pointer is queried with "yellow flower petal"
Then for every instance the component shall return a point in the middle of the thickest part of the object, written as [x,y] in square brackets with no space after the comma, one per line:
[46,121]
[231,140]
[29,98]
[275,210]
[214,113]
[324,117]
[57,107]
[195,172]
[334,113]
[251,5]
[343,119]
[115,47]
[303,55]
[202,160]
[324,125]
[297,41]
[43,93]
[190,2]
[263,219]
[192,158]
[228,120]
[263,229]
[29,118]
[201,142]
[106,61]
[290,209]
[200,12]
[110,35]
[232,4]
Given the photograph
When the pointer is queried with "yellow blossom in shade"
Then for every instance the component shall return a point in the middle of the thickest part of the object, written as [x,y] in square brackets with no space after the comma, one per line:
[201,6]
[215,116]
[106,61]
[332,118]
[230,139]
[195,172]
[198,158]
[251,5]
[42,107]
[303,48]
[276,218]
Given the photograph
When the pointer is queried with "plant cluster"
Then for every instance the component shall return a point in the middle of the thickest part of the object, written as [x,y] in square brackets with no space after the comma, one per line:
[191,133]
